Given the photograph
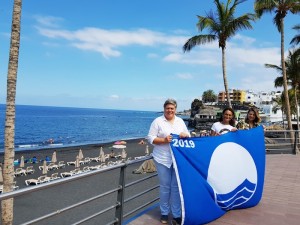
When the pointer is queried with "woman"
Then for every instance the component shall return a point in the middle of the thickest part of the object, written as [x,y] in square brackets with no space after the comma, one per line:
[252,120]
[160,136]
[226,123]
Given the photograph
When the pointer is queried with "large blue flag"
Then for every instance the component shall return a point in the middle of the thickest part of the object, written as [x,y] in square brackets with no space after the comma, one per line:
[217,174]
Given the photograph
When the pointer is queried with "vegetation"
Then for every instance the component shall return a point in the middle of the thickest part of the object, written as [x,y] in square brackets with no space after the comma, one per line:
[296,39]
[221,25]
[209,96]
[292,65]
[281,8]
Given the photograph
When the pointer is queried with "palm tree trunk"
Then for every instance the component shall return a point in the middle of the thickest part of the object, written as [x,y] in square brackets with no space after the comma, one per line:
[285,86]
[297,107]
[225,77]
[9,151]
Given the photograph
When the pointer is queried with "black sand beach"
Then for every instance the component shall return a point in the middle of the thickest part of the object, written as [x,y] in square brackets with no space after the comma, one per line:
[68,154]
[41,202]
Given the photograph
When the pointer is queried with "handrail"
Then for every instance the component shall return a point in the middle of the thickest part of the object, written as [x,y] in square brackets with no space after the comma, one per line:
[120,190]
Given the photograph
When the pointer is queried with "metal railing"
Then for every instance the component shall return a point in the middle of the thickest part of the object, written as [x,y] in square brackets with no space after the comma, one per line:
[118,208]
[281,142]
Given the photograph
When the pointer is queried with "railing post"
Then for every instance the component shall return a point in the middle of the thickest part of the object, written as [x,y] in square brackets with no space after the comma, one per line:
[295,151]
[120,197]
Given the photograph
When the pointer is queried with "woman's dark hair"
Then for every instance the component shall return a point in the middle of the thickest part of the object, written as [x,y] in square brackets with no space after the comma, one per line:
[256,113]
[232,121]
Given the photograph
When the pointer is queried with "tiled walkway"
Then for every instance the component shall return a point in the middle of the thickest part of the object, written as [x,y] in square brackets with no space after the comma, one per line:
[280,204]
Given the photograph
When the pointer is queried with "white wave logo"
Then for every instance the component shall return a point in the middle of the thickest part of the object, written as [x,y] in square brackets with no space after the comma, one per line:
[232,174]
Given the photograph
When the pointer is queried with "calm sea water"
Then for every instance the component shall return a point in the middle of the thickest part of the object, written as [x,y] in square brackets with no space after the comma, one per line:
[37,125]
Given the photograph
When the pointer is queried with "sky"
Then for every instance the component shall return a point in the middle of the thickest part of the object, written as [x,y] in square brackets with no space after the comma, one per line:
[116,54]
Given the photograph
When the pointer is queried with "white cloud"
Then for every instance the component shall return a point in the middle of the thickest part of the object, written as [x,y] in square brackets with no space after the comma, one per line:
[184,76]
[114,96]
[240,51]
[48,21]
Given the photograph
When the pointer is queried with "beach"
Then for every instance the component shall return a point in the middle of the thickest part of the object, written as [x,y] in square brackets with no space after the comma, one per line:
[68,154]
[48,200]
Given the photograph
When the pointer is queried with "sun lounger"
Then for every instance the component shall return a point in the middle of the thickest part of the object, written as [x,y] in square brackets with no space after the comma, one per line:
[95,167]
[54,176]
[20,172]
[29,170]
[52,166]
[86,169]
[41,167]
[71,163]
[15,187]
[86,160]
[40,180]
[95,159]
[61,164]
[71,173]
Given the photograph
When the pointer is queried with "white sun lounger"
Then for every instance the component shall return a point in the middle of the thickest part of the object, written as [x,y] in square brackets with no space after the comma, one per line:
[71,173]
[29,170]
[20,172]
[40,180]
[52,166]
[54,176]
[61,164]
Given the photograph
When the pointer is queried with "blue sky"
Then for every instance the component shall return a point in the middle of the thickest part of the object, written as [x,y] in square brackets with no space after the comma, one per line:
[118,54]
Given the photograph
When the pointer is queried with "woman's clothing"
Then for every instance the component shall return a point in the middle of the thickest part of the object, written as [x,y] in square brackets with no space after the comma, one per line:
[242,125]
[169,192]
[220,128]
[161,128]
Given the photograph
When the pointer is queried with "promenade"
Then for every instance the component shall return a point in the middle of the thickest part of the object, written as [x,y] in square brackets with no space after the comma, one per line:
[280,204]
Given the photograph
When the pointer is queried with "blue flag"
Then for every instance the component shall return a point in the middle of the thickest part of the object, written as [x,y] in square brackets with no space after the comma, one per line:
[217,174]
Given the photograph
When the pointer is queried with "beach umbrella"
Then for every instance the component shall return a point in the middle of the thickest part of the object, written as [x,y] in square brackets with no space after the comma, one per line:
[80,155]
[77,164]
[1,175]
[45,169]
[54,159]
[123,154]
[120,143]
[119,146]
[22,162]
[102,158]
[101,152]
[147,150]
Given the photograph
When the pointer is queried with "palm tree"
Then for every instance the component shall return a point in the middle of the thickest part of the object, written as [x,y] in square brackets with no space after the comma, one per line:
[209,96]
[221,25]
[296,40]
[9,151]
[292,65]
[281,8]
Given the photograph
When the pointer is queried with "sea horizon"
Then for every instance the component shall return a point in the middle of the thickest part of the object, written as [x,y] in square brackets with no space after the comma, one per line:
[40,127]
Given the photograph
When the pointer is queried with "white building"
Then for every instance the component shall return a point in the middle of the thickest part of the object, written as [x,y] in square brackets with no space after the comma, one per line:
[264,101]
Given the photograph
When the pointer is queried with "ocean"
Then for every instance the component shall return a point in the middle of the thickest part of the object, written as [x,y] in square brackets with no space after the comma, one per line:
[39,127]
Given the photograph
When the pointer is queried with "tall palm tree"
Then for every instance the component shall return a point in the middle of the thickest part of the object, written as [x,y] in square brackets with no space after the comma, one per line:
[296,40]
[221,25]
[281,8]
[292,65]
[9,151]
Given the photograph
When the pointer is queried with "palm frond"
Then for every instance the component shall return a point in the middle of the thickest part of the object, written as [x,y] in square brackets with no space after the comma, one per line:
[198,40]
